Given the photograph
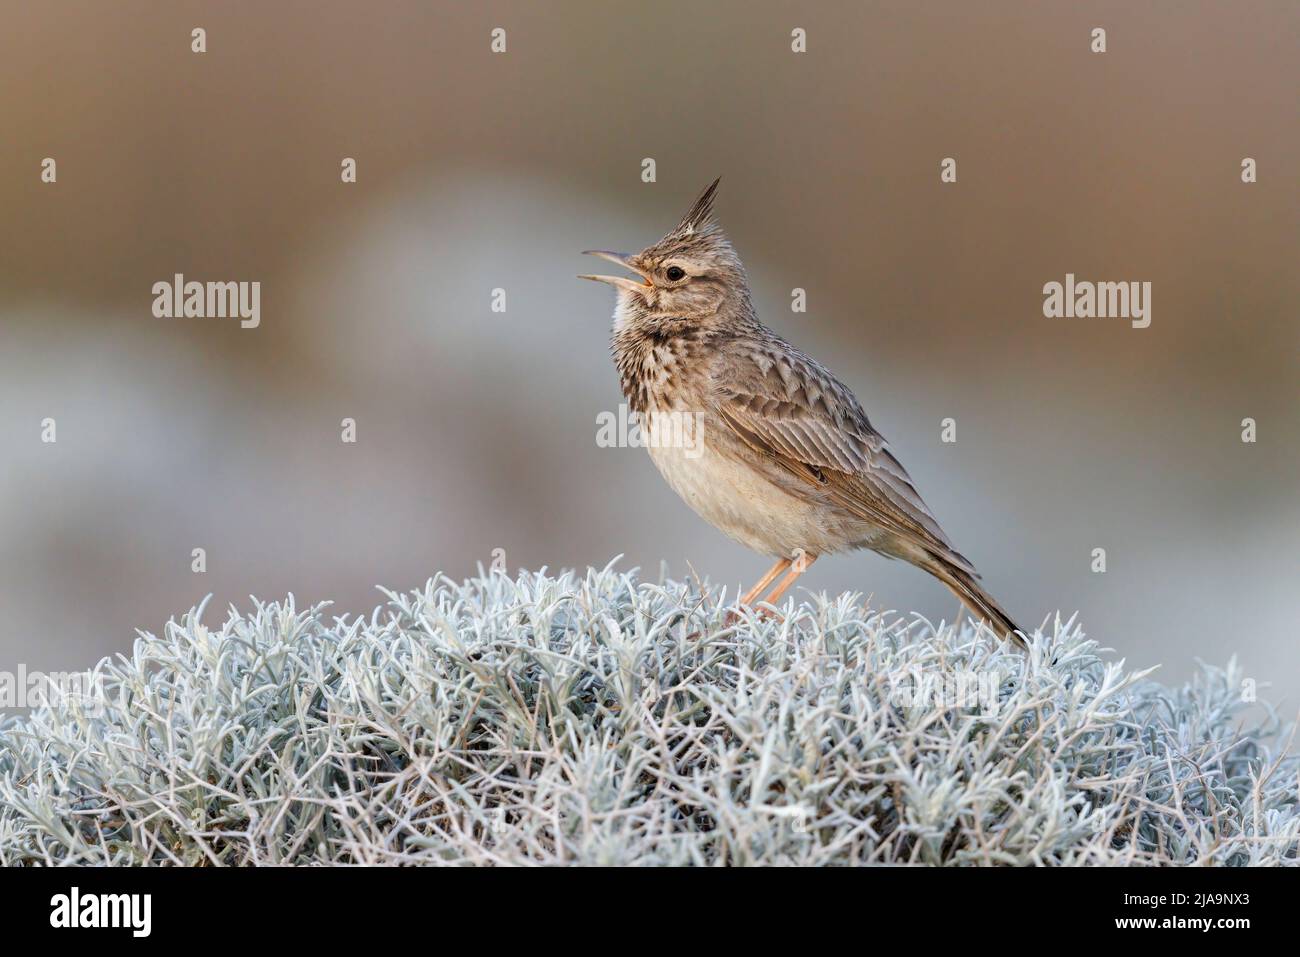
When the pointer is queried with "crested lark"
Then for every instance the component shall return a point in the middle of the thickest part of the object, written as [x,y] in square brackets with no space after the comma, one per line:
[783,460]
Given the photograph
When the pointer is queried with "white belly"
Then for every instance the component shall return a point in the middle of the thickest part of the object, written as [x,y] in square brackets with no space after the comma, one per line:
[741,503]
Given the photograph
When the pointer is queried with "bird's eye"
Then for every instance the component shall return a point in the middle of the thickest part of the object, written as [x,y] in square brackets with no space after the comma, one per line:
[675,273]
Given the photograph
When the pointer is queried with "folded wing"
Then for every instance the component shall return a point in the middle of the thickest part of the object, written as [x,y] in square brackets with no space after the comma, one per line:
[785,406]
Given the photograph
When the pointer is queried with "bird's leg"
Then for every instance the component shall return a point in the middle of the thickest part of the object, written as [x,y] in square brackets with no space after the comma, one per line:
[798,567]
[763,582]
[749,596]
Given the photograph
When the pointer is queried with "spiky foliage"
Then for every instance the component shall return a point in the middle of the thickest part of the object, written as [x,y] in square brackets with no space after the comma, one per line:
[596,719]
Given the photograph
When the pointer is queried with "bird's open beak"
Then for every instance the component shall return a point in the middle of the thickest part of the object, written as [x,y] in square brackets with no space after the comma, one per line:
[624,260]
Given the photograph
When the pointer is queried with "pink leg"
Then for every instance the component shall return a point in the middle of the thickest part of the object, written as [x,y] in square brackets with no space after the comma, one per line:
[800,566]
[763,582]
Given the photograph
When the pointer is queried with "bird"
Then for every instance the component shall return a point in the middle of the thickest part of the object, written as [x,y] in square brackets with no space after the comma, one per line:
[764,443]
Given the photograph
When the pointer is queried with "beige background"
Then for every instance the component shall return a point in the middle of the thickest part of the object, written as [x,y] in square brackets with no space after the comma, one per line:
[477,431]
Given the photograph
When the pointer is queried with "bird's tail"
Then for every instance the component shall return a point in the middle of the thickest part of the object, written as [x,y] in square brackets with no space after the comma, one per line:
[963,584]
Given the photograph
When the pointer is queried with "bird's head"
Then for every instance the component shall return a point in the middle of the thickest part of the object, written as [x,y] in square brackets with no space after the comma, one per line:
[691,274]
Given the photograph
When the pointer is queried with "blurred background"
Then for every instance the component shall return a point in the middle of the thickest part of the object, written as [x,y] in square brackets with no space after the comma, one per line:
[476,430]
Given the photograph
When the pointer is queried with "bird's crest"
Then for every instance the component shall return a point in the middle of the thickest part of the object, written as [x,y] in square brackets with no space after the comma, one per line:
[700,216]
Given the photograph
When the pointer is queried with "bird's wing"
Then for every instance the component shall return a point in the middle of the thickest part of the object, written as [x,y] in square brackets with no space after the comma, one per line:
[788,408]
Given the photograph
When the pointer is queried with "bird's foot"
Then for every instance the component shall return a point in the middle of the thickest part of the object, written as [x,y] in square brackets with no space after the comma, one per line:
[764,614]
